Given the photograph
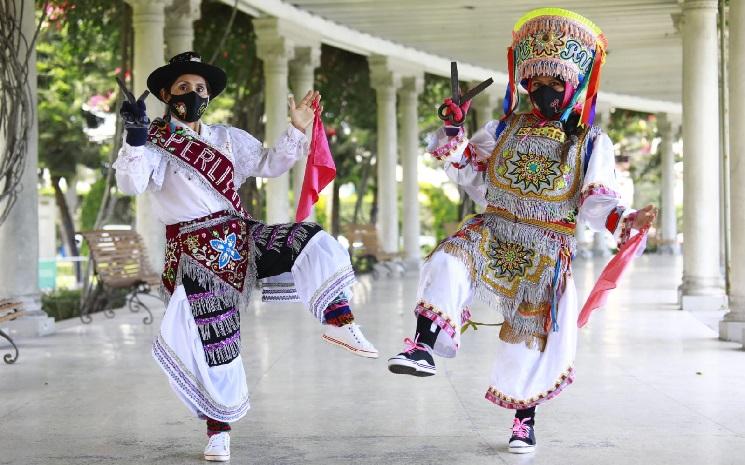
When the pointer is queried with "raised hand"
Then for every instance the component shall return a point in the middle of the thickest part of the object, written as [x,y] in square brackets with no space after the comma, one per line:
[134,115]
[645,217]
[302,114]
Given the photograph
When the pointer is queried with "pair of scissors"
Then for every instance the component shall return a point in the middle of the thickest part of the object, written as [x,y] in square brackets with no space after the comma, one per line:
[131,99]
[459,99]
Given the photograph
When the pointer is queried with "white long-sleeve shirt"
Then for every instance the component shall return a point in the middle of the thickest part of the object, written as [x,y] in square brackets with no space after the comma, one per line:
[177,196]
[600,191]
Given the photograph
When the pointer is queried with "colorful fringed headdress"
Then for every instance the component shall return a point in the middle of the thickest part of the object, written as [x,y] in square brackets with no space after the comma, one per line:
[560,43]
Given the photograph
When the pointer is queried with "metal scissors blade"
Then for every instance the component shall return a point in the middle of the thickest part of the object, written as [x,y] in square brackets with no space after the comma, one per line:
[129,95]
[454,83]
[477,90]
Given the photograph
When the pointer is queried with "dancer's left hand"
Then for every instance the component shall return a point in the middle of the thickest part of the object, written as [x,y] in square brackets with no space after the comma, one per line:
[645,217]
[301,115]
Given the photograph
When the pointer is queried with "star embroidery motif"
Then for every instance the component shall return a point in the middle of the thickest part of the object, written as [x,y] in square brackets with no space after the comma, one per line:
[547,43]
[532,172]
[509,259]
[227,250]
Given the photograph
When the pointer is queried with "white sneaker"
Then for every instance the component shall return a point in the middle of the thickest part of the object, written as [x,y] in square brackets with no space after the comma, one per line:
[350,337]
[218,448]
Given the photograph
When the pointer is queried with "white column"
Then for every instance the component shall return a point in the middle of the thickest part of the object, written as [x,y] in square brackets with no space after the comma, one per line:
[485,104]
[386,82]
[669,231]
[302,79]
[19,234]
[180,27]
[408,99]
[275,50]
[732,327]
[148,22]
[599,240]
[702,279]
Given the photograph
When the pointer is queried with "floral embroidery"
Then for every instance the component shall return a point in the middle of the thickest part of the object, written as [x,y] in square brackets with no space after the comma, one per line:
[547,43]
[509,259]
[532,172]
[227,250]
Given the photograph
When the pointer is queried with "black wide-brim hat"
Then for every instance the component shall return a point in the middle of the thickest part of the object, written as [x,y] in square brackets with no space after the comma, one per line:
[186,63]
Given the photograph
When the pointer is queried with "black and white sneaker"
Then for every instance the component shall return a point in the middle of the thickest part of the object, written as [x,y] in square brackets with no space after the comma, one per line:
[523,436]
[416,360]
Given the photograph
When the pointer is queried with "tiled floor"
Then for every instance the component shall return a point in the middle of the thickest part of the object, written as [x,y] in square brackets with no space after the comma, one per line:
[654,386]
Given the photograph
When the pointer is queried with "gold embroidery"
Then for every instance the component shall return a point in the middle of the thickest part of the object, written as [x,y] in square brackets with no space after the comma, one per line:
[496,170]
[546,131]
[531,341]
[565,228]
[564,378]
[510,286]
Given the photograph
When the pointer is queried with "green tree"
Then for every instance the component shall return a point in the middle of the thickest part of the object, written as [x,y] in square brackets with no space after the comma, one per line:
[76,59]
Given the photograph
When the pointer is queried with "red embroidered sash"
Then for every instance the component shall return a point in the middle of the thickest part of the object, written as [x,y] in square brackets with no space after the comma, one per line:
[214,169]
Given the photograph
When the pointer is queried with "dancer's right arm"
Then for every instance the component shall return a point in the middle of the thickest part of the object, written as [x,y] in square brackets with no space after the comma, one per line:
[465,159]
[136,167]
[135,163]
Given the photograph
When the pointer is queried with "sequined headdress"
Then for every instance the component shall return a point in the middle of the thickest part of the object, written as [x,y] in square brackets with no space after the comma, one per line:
[561,43]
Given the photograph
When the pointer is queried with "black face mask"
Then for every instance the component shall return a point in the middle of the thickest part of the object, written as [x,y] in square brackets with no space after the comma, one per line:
[188,107]
[548,101]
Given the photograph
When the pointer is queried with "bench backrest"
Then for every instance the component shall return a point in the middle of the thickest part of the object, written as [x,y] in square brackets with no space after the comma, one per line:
[119,258]
[365,234]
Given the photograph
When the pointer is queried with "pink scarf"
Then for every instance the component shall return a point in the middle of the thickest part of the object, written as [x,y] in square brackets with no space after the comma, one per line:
[610,276]
[320,169]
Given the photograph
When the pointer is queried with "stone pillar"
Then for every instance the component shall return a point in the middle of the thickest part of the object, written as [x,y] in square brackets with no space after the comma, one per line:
[669,231]
[180,27]
[485,104]
[302,79]
[703,286]
[584,240]
[19,234]
[386,83]
[148,21]
[408,99]
[275,50]
[732,327]
[598,243]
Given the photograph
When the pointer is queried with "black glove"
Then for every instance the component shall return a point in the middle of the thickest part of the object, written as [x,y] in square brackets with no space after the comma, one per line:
[136,122]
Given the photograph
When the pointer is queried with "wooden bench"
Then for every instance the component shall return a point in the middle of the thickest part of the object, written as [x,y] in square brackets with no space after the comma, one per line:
[364,245]
[9,311]
[120,263]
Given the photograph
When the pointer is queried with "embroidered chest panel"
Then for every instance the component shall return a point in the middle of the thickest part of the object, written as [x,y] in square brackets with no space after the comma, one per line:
[526,167]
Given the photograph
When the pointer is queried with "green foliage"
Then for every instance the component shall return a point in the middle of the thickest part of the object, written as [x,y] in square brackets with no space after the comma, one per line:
[91,204]
[634,134]
[76,59]
[241,103]
[442,210]
[61,304]
[349,111]
[65,303]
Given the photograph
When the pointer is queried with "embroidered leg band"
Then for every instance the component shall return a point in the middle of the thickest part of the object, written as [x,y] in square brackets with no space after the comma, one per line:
[215,426]
[338,312]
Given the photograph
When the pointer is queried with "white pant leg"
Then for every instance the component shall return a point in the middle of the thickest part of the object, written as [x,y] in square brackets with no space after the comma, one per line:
[321,272]
[444,293]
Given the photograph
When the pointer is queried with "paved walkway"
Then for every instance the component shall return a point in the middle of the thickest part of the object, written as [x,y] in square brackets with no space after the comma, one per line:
[654,386]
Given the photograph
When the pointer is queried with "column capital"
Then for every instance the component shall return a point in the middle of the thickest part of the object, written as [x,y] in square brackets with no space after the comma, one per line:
[690,5]
[412,85]
[382,74]
[184,11]
[307,57]
[664,126]
[488,98]
[272,41]
[147,7]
